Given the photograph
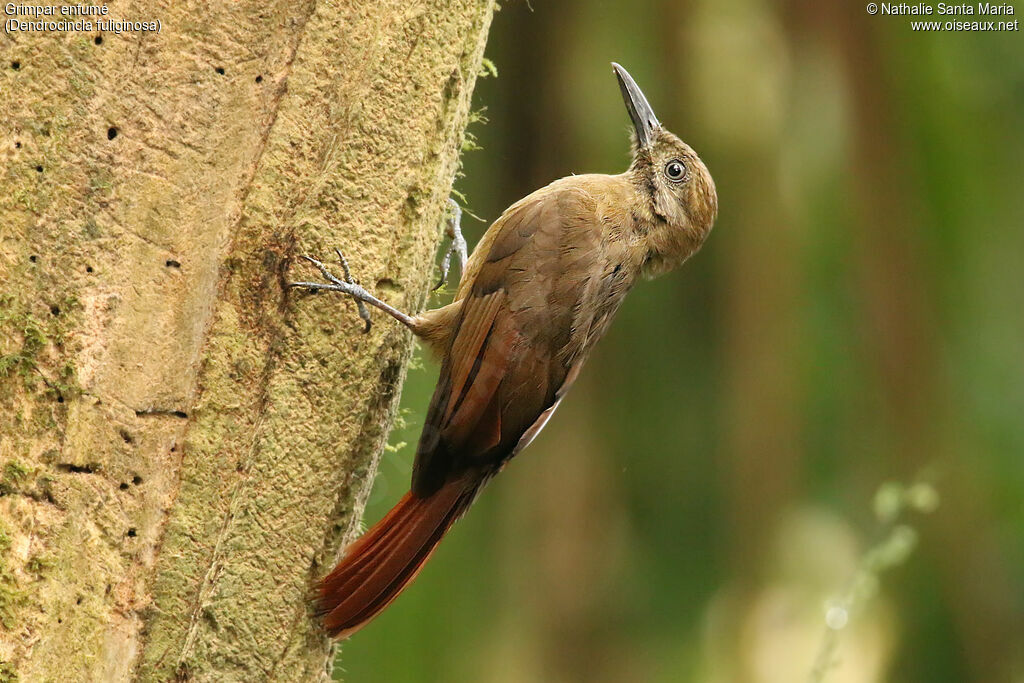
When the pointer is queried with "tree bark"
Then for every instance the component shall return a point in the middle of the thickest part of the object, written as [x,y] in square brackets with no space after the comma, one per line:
[184,444]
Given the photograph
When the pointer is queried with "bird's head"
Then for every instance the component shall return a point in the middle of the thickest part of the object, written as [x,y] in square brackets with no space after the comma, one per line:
[677,190]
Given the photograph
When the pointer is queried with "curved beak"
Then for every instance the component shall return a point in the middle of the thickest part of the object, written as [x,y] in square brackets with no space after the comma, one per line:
[644,120]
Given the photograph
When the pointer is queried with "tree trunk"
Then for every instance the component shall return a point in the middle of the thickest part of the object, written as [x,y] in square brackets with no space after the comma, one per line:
[184,444]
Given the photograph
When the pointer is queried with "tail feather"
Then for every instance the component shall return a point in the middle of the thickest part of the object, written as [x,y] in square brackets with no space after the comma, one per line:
[388,557]
[368,551]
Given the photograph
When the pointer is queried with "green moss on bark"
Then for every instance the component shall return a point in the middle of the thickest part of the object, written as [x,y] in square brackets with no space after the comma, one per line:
[185,445]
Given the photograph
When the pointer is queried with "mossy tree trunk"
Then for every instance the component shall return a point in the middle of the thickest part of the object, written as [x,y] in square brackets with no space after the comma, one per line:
[184,444]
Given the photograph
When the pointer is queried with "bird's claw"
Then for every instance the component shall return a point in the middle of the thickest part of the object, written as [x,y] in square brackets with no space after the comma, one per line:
[453,231]
[348,285]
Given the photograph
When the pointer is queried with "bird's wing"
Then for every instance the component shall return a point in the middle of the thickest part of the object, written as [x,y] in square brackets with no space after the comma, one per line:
[510,358]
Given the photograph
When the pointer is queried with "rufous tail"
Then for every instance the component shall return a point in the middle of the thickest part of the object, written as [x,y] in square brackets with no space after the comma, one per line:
[388,557]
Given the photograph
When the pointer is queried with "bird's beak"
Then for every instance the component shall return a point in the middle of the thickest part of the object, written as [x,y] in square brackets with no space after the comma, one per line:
[640,111]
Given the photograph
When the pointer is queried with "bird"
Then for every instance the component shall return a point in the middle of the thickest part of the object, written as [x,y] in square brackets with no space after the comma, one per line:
[539,290]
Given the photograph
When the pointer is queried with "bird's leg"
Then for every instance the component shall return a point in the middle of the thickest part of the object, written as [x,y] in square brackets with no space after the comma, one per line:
[458,243]
[362,297]
[350,287]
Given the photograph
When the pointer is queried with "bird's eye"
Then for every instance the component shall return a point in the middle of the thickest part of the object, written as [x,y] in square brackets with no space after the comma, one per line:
[675,170]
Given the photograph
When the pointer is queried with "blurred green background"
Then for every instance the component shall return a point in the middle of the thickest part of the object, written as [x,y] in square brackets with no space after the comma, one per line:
[856,317]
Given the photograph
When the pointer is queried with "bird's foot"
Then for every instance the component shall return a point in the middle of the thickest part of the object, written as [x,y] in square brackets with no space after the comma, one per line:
[353,289]
[453,231]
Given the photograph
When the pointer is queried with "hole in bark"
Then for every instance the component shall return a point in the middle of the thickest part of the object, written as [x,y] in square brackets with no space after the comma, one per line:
[55,310]
[98,40]
[111,133]
[131,533]
[79,600]
[171,263]
[88,269]
[33,258]
[158,412]
[220,70]
[136,480]
[174,448]
[77,469]
[126,436]
[17,144]
[259,79]
[60,399]
[15,65]
[39,169]
[123,486]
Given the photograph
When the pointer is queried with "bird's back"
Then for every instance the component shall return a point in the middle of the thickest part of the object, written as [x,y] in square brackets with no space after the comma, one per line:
[537,292]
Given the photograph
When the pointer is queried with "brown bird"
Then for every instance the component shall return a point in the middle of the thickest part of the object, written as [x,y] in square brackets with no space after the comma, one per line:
[538,292]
